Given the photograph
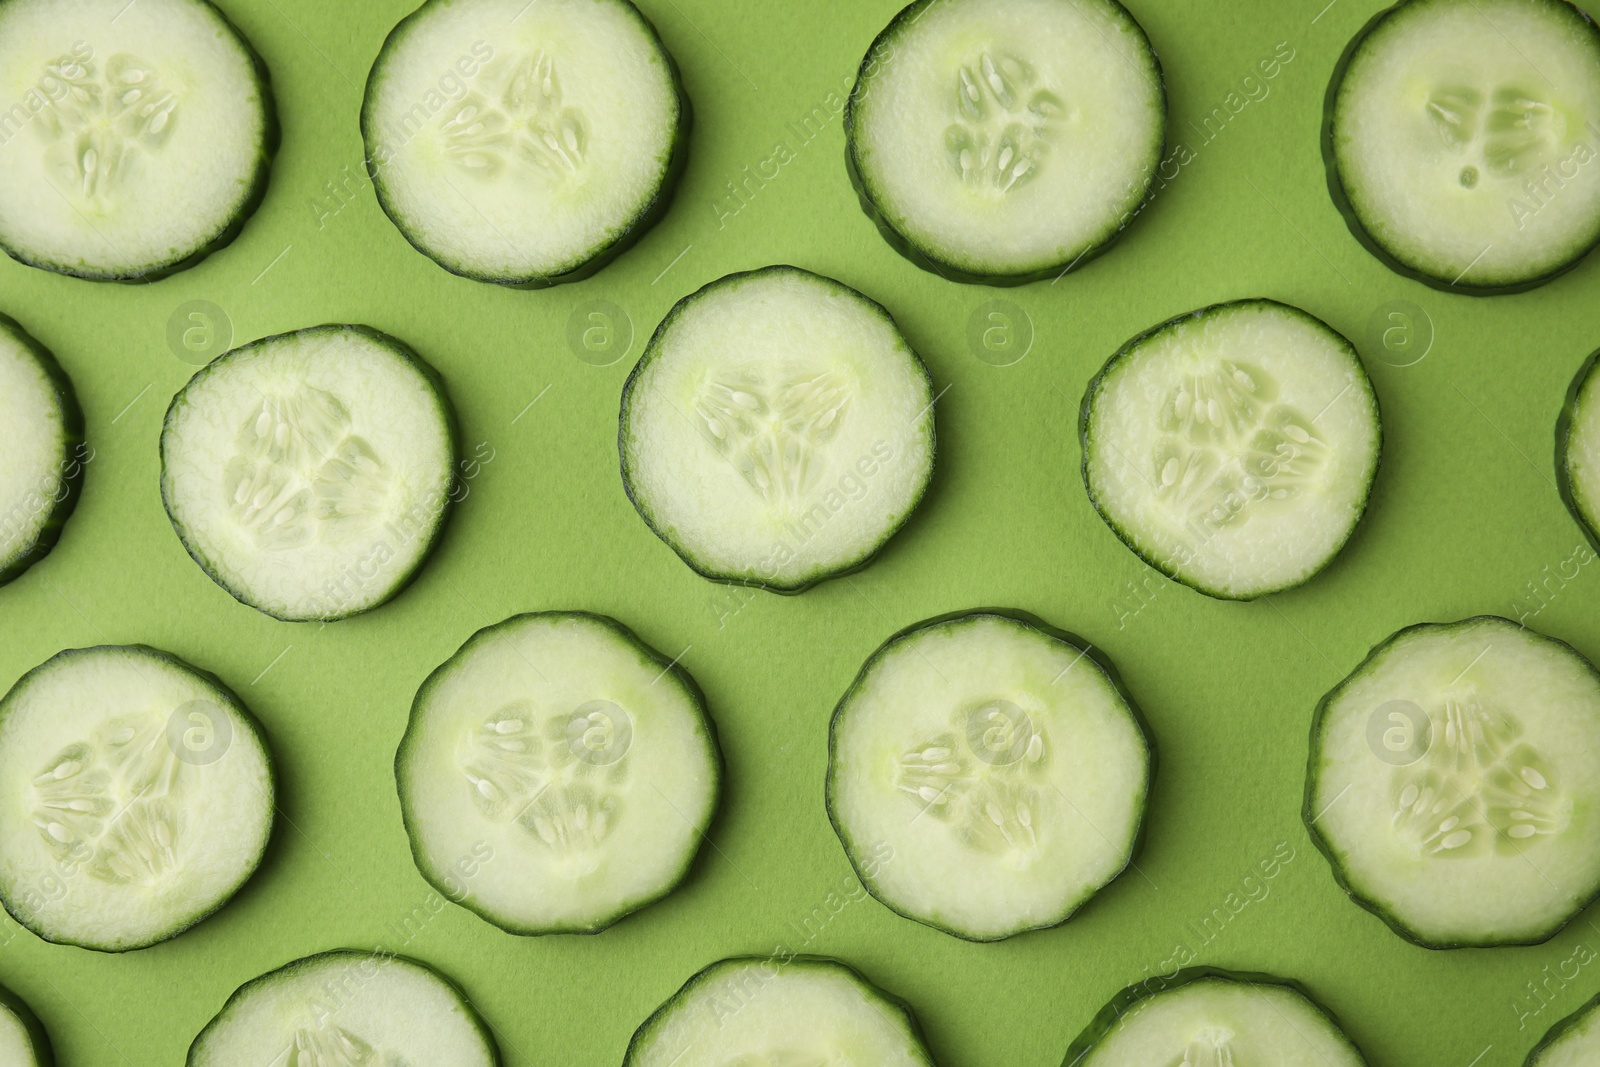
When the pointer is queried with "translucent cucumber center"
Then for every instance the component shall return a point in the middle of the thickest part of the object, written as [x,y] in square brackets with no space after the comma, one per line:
[517,124]
[113,804]
[333,1046]
[1002,124]
[559,779]
[300,475]
[98,119]
[1478,788]
[1507,131]
[984,779]
[775,432]
[790,1058]
[1226,448]
[1211,1047]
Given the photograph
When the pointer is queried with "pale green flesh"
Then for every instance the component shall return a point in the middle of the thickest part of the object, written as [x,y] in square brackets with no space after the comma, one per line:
[345,1009]
[117,829]
[34,461]
[778,430]
[772,1013]
[1007,136]
[1234,450]
[514,142]
[987,778]
[1489,836]
[1582,456]
[16,1043]
[1467,138]
[555,776]
[1578,1046]
[139,132]
[309,472]
[1215,1023]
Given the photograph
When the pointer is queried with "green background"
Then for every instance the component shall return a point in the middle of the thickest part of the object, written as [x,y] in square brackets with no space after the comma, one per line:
[1464,516]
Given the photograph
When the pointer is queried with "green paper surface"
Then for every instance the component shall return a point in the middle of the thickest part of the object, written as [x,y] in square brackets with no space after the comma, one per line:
[1465,519]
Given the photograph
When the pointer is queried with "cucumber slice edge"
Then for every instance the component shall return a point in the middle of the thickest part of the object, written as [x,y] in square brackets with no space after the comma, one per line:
[74,429]
[671,668]
[258,734]
[43,1054]
[1100,377]
[1560,1029]
[1308,812]
[1564,426]
[1090,652]
[1107,1017]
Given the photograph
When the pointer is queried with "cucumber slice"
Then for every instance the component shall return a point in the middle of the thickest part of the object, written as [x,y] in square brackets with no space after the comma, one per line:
[779,1011]
[1462,137]
[1206,1017]
[987,775]
[311,473]
[41,467]
[347,1009]
[1233,448]
[573,753]
[1572,1042]
[139,797]
[1004,141]
[23,1042]
[1578,450]
[138,136]
[778,429]
[524,144]
[1452,783]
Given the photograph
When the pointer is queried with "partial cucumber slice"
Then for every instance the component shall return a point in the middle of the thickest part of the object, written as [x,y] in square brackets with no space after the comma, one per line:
[777,1012]
[310,474]
[23,1042]
[138,136]
[347,1009]
[138,797]
[524,144]
[1205,1017]
[1233,448]
[1462,139]
[1572,1042]
[1578,450]
[1453,781]
[1004,141]
[778,429]
[43,454]
[577,756]
[987,775]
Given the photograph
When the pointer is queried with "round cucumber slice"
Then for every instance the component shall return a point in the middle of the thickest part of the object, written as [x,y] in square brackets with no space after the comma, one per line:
[310,473]
[778,429]
[1004,141]
[576,757]
[1205,1017]
[1463,141]
[1578,450]
[343,1009]
[1233,448]
[1572,1042]
[987,775]
[524,144]
[778,1012]
[1452,778]
[23,1041]
[138,136]
[42,459]
[138,797]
